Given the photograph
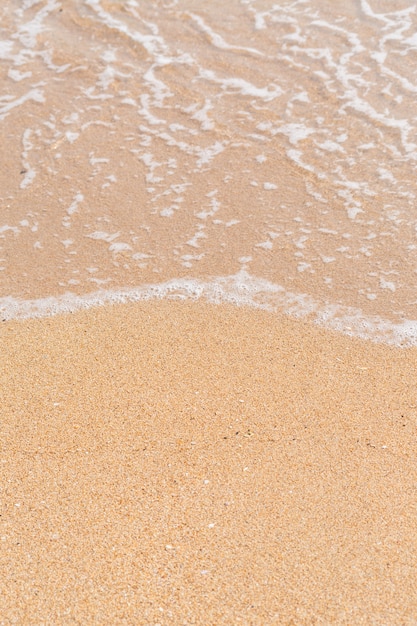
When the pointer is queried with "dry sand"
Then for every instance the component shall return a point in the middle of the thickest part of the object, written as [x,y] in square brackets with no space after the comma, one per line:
[185,463]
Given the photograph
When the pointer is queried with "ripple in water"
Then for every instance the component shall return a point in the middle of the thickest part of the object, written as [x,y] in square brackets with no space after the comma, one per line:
[166,143]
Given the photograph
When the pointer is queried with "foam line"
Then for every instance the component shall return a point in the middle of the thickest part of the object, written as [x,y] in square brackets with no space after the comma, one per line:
[240,289]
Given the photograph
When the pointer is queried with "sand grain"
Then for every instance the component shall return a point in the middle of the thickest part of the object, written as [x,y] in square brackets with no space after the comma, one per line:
[183,463]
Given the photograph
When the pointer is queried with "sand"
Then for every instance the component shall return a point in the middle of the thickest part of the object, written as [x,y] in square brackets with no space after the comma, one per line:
[186,463]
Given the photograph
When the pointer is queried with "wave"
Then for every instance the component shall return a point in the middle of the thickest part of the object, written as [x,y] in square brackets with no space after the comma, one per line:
[240,289]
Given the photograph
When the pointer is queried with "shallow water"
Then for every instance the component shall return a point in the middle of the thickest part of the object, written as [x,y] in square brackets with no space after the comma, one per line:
[265,154]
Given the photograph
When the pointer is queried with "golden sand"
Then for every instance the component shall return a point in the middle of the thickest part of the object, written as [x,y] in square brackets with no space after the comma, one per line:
[185,463]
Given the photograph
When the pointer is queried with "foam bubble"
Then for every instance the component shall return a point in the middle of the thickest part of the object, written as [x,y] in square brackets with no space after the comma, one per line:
[240,289]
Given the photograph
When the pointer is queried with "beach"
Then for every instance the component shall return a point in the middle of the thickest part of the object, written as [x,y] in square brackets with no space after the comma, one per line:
[173,462]
[208,334]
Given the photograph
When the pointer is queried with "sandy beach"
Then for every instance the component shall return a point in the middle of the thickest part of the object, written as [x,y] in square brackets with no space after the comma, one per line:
[174,461]
[185,463]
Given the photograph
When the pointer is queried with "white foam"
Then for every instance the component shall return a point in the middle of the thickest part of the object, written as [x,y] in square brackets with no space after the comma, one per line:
[74,205]
[101,235]
[29,31]
[345,115]
[201,114]
[6,47]
[240,289]
[30,173]
[119,247]
[6,227]
[33,94]
[244,87]
[153,43]
[217,40]
[16,75]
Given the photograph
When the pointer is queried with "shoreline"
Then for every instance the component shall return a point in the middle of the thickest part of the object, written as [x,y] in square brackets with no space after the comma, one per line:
[241,289]
[183,462]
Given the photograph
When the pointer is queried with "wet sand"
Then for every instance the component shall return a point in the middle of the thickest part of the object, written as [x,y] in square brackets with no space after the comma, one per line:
[186,463]
[158,140]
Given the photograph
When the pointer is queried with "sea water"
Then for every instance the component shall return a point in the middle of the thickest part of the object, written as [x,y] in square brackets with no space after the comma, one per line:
[252,151]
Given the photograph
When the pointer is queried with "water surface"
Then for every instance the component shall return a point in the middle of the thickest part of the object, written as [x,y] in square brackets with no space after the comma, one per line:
[265,153]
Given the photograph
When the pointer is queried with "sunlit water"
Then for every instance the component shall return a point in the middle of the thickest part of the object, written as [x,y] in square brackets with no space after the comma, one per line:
[249,151]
